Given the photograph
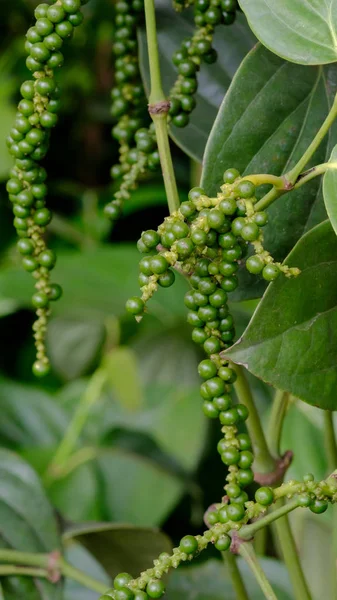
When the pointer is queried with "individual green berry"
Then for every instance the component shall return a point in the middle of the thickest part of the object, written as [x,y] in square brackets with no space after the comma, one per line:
[40,300]
[167,279]
[64,29]
[233,490]
[319,506]
[237,225]
[124,594]
[210,410]
[222,514]
[55,292]
[30,264]
[41,368]
[222,403]
[188,544]
[245,477]
[223,543]
[235,511]
[199,336]
[155,588]
[229,417]
[195,193]
[207,286]
[304,500]
[194,319]
[71,6]
[47,259]
[232,254]
[264,496]
[261,218]
[229,284]
[135,305]
[215,219]
[227,374]
[215,386]
[245,189]
[56,13]
[244,441]
[231,455]
[121,580]
[250,232]
[246,459]
[231,175]
[44,27]
[181,120]
[42,217]
[159,264]
[150,238]
[184,247]
[207,313]
[25,246]
[270,272]
[308,477]
[212,345]
[254,264]
[187,209]
[242,412]
[207,369]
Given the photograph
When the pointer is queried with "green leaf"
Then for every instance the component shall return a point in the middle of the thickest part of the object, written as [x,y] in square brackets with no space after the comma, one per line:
[120,548]
[27,523]
[81,484]
[318,565]
[267,120]
[128,483]
[302,32]
[29,416]
[123,376]
[96,283]
[74,345]
[232,44]
[329,190]
[211,581]
[291,341]
[303,434]
[80,558]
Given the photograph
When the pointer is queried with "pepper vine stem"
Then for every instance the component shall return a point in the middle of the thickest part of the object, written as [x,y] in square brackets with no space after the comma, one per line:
[247,552]
[235,575]
[68,443]
[159,116]
[276,420]
[293,174]
[263,462]
[42,562]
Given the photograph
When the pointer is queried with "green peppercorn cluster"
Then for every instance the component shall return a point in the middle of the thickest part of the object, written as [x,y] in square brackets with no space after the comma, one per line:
[28,143]
[195,50]
[205,239]
[231,518]
[138,150]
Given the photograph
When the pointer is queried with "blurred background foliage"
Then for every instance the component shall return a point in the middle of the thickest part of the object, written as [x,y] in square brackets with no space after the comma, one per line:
[146,456]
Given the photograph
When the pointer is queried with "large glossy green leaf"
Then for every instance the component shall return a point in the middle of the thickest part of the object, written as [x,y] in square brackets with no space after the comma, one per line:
[329,189]
[96,284]
[27,523]
[80,558]
[74,345]
[267,120]
[291,341]
[232,44]
[129,481]
[211,581]
[302,32]
[29,416]
[120,547]
[303,434]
